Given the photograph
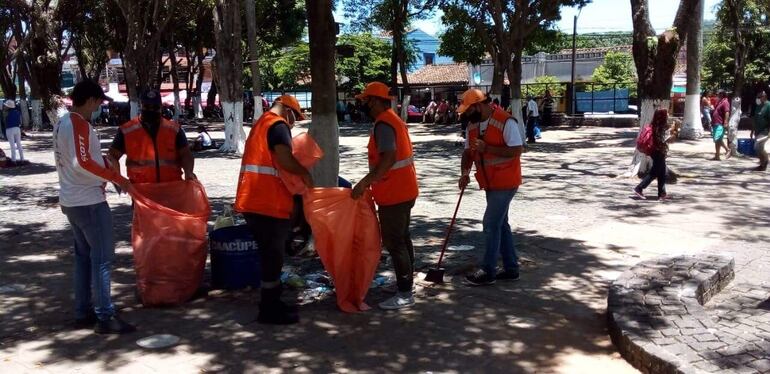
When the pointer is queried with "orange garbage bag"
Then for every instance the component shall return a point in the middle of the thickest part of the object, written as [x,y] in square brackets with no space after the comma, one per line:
[169,238]
[347,238]
[307,152]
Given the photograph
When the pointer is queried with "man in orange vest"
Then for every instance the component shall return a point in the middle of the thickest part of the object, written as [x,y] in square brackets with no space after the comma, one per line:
[494,144]
[267,204]
[393,180]
[156,149]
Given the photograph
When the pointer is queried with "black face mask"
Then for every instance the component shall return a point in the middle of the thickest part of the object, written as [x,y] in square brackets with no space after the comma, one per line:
[474,117]
[365,109]
[151,117]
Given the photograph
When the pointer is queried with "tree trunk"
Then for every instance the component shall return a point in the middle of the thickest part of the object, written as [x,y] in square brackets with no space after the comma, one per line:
[732,125]
[498,77]
[692,127]
[37,114]
[514,78]
[735,10]
[132,84]
[198,100]
[227,25]
[24,107]
[256,79]
[175,80]
[324,127]
[406,90]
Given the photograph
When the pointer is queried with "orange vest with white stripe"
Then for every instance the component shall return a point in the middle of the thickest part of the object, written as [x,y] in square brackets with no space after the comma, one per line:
[260,189]
[494,172]
[399,184]
[149,161]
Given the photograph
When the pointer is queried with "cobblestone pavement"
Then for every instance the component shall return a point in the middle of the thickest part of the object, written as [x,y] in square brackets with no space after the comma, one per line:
[575,226]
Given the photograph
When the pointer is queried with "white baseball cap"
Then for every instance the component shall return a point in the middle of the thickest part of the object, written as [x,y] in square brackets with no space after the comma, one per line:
[10,104]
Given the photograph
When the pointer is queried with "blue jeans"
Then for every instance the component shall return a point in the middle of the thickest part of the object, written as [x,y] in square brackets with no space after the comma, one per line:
[94,251]
[497,232]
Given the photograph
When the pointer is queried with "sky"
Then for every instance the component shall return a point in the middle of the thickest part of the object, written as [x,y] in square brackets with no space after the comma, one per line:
[598,16]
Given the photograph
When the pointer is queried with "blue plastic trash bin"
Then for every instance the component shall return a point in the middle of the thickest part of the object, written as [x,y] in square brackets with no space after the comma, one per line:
[234,258]
[746,147]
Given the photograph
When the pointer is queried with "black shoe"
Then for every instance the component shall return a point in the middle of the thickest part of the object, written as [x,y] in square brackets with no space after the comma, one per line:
[480,278]
[87,322]
[114,325]
[276,314]
[511,275]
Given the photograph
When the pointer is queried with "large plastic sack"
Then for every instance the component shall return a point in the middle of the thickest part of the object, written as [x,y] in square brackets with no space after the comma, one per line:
[307,152]
[168,234]
[347,238]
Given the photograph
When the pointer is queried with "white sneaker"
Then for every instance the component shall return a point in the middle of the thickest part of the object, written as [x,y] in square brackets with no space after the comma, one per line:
[397,302]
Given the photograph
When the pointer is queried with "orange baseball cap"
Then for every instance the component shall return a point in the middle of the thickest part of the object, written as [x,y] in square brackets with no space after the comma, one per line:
[470,97]
[376,89]
[291,102]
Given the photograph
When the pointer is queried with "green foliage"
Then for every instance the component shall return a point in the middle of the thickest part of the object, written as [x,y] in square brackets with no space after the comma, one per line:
[469,27]
[545,82]
[370,60]
[99,28]
[285,69]
[617,71]
[460,40]
[719,53]
[280,23]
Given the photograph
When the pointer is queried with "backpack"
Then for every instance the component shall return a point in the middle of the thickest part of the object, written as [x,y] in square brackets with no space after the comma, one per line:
[644,143]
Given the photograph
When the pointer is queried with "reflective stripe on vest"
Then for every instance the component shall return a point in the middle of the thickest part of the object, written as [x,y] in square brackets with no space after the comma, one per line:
[131,128]
[150,163]
[403,163]
[497,161]
[266,170]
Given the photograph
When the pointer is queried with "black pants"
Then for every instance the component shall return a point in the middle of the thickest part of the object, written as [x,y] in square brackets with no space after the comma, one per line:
[531,123]
[394,226]
[271,234]
[658,171]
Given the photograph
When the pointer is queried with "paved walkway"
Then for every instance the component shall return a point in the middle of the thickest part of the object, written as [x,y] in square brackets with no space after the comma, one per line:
[575,226]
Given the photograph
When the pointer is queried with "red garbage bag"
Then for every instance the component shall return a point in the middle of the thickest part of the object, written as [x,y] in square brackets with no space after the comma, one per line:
[168,234]
[347,238]
[307,152]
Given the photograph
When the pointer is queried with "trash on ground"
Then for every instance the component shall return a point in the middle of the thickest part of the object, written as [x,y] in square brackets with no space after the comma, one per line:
[12,288]
[158,341]
[460,248]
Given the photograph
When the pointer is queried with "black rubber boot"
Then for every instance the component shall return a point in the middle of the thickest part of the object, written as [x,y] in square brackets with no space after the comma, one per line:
[273,311]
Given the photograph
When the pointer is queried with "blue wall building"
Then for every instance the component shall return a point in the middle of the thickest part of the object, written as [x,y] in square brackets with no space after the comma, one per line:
[427,49]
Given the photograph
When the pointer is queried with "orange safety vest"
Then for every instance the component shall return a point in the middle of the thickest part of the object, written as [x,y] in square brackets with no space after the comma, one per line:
[399,184]
[149,161]
[260,189]
[495,172]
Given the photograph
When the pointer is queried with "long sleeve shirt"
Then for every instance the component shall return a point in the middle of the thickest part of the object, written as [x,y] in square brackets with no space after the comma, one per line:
[82,169]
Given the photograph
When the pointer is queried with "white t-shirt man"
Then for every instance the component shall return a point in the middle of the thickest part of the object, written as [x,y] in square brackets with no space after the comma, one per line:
[511,134]
[532,110]
[82,169]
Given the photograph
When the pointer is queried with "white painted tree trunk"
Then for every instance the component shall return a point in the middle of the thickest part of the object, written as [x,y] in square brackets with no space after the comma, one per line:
[732,125]
[324,129]
[691,127]
[235,136]
[642,163]
[405,107]
[177,106]
[197,106]
[25,120]
[37,115]
[134,108]
[516,113]
[257,107]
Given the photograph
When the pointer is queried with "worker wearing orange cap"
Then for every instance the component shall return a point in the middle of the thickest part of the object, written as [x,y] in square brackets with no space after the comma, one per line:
[267,204]
[393,180]
[494,143]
